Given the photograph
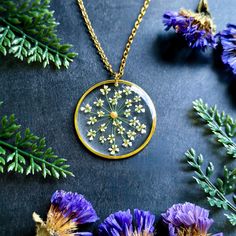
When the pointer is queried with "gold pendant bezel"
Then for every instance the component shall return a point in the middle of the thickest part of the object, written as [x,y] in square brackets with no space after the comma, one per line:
[141,147]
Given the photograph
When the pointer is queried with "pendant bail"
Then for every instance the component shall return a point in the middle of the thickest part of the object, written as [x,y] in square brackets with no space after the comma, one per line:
[117,76]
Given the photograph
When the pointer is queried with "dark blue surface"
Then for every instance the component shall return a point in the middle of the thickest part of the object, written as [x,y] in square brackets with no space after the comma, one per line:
[45,99]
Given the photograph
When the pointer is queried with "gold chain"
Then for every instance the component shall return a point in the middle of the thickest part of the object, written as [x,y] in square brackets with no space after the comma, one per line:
[117,75]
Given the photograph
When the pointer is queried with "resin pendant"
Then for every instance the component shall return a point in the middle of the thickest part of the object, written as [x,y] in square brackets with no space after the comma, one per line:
[115,121]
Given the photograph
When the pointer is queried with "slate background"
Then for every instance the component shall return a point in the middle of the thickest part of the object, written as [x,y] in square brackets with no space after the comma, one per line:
[45,99]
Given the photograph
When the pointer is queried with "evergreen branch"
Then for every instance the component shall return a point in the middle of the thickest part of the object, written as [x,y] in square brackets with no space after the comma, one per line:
[221,125]
[28,30]
[27,153]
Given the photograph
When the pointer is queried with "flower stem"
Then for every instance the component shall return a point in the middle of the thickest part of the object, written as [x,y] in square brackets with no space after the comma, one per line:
[203,7]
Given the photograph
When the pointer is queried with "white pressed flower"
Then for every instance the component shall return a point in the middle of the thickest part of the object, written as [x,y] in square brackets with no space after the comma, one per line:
[137,99]
[113,101]
[105,90]
[134,121]
[117,122]
[99,103]
[128,102]
[102,127]
[131,134]
[118,94]
[102,139]
[111,138]
[92,120]
[113,149]
[86,109]
[141,128]
[91,134]
[126,143]
[139,108]
[127,91]
[121,130]
[127,113]
[100,113]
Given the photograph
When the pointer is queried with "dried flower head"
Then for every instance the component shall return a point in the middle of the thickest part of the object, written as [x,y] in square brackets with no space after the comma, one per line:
[228,41]
[67,211]
[122,223]
[197,28]
[188,220]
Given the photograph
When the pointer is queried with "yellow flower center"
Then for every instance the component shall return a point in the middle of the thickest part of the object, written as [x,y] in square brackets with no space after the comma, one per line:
[113,115]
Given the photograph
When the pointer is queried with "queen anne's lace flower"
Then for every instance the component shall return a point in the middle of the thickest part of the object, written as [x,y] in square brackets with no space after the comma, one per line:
[86,109]
[102,127]
[141,128]
[92,120]
[111,118]
[131,135]
[128,102]
[139,108]
[137,99]
[105,90]
[91,134]
[127,91]
[99,102]
[114,149]
[100,113]
[111,138]
[126,143]
[127,112]
[134,121]
[121,130]
[102,139]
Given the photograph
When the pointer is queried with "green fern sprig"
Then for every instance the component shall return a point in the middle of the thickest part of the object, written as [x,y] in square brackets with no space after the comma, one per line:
[223,128]
[28,31]
[221,125]
[27,153]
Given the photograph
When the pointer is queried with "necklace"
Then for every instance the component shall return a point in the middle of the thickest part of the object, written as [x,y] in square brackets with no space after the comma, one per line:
[115,118]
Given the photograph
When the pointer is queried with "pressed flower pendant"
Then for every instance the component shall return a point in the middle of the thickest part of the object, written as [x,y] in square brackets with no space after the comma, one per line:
[115,121]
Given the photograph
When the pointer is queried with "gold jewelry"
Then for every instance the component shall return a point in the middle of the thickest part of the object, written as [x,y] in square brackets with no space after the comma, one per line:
[124,117]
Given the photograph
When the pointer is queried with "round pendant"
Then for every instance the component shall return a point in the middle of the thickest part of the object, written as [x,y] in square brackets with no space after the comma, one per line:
[115,121]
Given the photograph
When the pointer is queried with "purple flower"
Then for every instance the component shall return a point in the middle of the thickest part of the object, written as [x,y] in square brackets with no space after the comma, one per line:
[122,223]
[188,219]
[67,211]
[197,28]
[228,41]
[74,206]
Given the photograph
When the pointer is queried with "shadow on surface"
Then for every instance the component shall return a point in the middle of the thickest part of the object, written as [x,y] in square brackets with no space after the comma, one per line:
[225,75]
[171,48]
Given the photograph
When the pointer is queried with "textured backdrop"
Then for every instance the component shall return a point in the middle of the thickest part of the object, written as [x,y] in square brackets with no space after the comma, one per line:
[45,100]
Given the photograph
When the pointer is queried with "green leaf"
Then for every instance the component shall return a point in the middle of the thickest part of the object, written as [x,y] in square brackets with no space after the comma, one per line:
[11,167]
[55,173]
[232,218]
[11,156]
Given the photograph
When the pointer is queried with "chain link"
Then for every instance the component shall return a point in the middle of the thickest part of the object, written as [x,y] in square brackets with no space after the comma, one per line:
[108,66]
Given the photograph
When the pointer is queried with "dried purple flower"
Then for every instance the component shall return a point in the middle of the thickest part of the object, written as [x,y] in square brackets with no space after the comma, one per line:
[197,28]
[121,223]
[188,220]
[67,211]
[228,41]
